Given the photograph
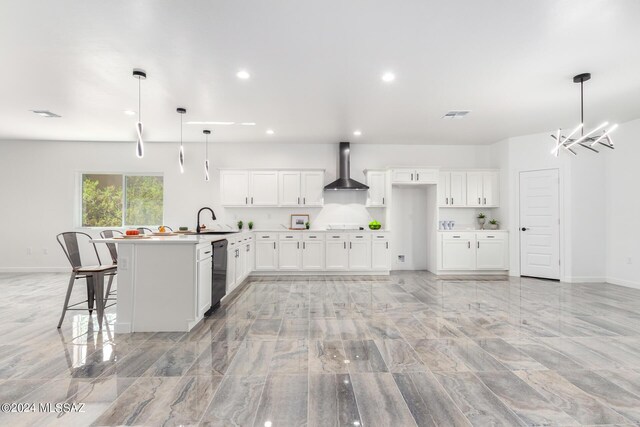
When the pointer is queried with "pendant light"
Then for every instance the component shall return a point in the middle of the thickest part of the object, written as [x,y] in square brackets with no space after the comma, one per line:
[140,75]
[182,112]
[599,135]
[206,133]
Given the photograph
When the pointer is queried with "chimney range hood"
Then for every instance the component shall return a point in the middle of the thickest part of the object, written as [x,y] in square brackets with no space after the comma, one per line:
[344,181]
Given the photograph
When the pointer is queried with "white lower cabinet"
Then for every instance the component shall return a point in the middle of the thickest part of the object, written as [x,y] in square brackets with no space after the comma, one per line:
[337,252]
[380,254]
[231,267]
[313,252]
[266,252]
[290,251]
[204,279]
[360,251]
[474,251]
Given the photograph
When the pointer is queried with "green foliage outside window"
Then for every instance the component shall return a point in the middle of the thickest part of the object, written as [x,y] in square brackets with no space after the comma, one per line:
[103,200]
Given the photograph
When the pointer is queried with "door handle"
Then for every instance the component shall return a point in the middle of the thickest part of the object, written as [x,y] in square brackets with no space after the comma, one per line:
[452,200]
[387,245]
[446,201]
[469,245]
[383,200]
[524,228]
[246,200]
[485,200]
[251,199]
[411,177]
[350,245]
[304,245]
[298,200]
[478,245]
[417,177]
[345,245]
[298,245]
[274,245]
[304,200]
[479,201]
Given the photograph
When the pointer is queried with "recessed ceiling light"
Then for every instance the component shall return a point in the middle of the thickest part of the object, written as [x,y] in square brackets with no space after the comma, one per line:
[357,132]
[129,112]
[45,113]
[270,132]
[243,75]
[211,123]
[388,77]
[248,123]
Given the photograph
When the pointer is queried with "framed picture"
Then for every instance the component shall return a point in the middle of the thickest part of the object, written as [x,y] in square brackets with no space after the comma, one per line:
[299,222]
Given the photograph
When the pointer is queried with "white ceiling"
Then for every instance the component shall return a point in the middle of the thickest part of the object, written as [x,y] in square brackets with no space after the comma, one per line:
[316,68]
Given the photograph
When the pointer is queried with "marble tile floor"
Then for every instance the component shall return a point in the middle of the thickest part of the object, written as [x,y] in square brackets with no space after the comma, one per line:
[401,350]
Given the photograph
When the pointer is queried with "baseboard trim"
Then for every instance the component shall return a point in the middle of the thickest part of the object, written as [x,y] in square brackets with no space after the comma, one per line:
[319,273]
[584,279]
[35,269]
[623,282]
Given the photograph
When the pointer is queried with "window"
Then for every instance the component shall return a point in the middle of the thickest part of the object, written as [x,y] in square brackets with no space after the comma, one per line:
[118,200]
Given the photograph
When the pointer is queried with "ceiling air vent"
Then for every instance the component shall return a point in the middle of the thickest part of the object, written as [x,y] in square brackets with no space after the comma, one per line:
[45,113]
[456,114]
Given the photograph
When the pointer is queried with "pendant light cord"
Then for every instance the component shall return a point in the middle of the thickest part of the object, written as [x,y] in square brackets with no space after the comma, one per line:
[582,106]
[139,109]
[181,129]
[206,147]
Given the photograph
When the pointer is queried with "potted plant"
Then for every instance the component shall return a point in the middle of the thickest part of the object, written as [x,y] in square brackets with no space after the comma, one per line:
[240,224]
[250,224]
[493,224]
[307,225]
[481,220]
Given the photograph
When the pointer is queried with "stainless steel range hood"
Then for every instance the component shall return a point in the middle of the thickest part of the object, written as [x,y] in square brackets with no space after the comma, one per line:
[344,181]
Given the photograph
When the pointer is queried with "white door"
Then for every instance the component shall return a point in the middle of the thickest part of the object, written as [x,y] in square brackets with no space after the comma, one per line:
[376,180]
[231,269]
[492,252]
[263,188]
[336,255]
[540,224]
[444,189]
[490,189]
[427,176]
[313,255]
[380,259]
[234,188]
[458,189]
[289,188]
[459,253]
[289,255]
[312,191]
[204,285]
[360,255]
[474,188]
[266,255]
[400,176]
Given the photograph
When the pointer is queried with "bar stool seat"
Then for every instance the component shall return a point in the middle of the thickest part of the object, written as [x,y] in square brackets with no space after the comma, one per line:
[96,268]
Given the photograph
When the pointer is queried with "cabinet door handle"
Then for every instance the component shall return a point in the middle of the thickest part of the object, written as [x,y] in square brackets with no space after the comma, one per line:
[298,200]
[447,201]
[456,237]
[248,248]
[251,199]
[485,200]
[207,252]
[479,201]
[274,245]
[452,200]
[383,200]
[246,200]
[345,245]
[411,177]
[478,245]
[304,245]
[350,245]
[387,245]
[417,177]
[298,245]
[304,200]
[469,244]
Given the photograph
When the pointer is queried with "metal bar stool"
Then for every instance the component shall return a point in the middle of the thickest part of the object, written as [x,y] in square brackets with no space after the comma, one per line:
[94,274]
[113,251]
[144,230]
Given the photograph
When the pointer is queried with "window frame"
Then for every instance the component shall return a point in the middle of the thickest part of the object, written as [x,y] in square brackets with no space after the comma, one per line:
[78,199]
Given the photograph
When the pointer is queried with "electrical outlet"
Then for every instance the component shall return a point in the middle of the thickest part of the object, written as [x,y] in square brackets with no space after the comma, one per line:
[629,261]
[400,258]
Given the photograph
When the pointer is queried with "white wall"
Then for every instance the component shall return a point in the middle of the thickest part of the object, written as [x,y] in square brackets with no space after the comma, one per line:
[38,190]
[622,218]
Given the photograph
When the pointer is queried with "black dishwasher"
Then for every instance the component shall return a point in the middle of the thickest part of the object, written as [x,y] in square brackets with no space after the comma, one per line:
[219,274]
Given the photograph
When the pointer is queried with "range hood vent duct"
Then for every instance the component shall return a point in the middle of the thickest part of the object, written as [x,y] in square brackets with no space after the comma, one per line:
[344,181]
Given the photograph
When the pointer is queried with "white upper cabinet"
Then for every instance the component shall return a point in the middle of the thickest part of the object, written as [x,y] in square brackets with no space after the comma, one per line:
[290,188]
[414,176]
[377,193]
[452,189]
[483,188]
[263,188]
[312,191]
[234,187]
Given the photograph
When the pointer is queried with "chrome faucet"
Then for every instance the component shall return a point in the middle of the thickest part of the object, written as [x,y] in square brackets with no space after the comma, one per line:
[213,217]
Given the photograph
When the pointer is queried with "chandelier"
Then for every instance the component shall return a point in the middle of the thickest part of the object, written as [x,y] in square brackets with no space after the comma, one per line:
[600,136]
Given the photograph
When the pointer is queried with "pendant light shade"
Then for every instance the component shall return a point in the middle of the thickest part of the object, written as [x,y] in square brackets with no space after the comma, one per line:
[182,112]
[588,140]
[140,75]
[206,133]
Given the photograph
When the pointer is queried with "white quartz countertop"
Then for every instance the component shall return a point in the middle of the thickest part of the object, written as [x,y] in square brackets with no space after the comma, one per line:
[181,239]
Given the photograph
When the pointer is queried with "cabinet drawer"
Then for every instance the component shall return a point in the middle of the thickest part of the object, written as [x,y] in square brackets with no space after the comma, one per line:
[458,236]
[204,252]
[313,236]
[359,237]
[491,236]
[336,236]
[379,236]
[290,236]
[266,236]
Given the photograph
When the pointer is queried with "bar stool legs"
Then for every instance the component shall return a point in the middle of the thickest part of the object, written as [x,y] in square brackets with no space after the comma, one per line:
[90,293]
[99,293]
[66,299]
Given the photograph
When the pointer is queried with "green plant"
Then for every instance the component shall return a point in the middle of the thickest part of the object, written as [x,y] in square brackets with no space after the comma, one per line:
[307,224]
[481,215]
[250,224]
[493,222]
[240,224]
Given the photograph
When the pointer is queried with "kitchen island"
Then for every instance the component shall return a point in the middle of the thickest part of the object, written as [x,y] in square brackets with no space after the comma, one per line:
[164,283]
